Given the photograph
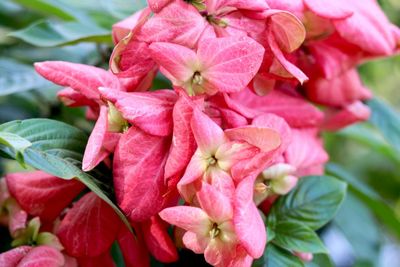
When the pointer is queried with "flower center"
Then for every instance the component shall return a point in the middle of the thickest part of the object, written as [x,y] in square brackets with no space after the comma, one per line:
[216,21]
[215,231]
[197,79]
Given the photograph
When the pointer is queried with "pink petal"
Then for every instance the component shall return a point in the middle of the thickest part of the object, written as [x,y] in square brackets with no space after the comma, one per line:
[41,194]
[306,149]
[139,162]
[95,152]
[17,218]
[158,241]
[178,23]
[288,30]
[183,143]
[150,111]
[209,136]
[339,91]
[82,78]
[249,226]
[215,204]
[12,257]
[230,63]
[194,243]
[73,98]
[89,227]
[338,9]
[122,28]
[158,5]
[103,260]
[133,249]
[285,64]
[189,218]
[368,28]
[264,138]
[178,63]
[295,110]
[277,124]
[43,256]
[339,118]
[194,171]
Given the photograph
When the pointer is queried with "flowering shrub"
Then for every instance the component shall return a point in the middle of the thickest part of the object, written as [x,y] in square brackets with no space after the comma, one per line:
[230,157]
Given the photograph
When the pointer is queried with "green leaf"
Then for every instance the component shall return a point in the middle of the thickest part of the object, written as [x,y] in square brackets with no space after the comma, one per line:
[54,8]
[366,135]
[48,33]
[277,257]
[314,201]
[297,237]
[320,260]
[387,121]
[18,77]
[354,220]
[56,148]
[381,210]
[17,143]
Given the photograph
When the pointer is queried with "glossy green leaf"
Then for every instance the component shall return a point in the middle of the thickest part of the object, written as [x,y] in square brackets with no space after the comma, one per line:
[378,207]
[278,257]
[387,120]
[48,33]
[314,201]
[56,148]
[17,77]
[297,237]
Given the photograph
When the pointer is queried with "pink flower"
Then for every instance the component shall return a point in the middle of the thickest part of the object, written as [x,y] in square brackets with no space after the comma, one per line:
[221,155]
[223,64]
[209,229]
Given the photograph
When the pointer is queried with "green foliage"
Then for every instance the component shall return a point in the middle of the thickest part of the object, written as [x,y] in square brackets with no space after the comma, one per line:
[313,202]
[53,147]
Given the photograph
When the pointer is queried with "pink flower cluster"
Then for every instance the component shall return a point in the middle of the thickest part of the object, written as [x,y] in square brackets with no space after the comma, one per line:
[238,129]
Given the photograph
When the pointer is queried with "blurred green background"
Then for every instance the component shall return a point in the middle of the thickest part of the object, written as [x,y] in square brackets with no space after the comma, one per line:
[366,231]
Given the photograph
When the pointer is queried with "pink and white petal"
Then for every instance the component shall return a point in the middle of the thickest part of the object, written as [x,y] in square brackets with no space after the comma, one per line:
[158,241]
[82,78]
[242,258]
[94,152]
[12,257]
[194,242]
[43,256]
[215,203]
[277,124]
[230,63]
[266,139]
[179,61]
[222,181]
[195,170]
[191,219]
[209,136]
[17,218]
[249,226]
[218,253]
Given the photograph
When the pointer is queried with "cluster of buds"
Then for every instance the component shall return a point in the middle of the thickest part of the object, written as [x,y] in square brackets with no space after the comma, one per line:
[237,129]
